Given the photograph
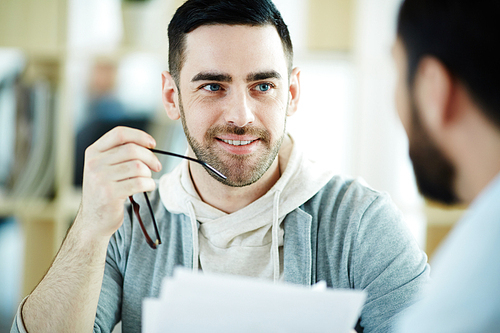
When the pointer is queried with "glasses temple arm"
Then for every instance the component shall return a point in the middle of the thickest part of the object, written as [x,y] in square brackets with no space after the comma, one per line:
[158,239]
[208,166]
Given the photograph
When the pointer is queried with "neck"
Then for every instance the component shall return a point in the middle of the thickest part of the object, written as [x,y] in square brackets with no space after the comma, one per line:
[475,175]
[231,199]
[477,156]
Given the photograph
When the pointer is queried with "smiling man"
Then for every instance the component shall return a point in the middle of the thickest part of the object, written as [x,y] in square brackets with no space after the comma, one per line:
[276,215]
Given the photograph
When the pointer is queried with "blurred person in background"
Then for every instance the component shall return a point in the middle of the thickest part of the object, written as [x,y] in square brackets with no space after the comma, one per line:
[448,99]
[277,215]
[104,112]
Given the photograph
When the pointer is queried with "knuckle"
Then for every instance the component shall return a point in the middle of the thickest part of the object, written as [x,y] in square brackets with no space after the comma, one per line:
[150,184]
[138,166]
[91,168]
[91,163]
[145,183]
[130,150]
[136,185]
[119,133]
[139,184]
[146,172]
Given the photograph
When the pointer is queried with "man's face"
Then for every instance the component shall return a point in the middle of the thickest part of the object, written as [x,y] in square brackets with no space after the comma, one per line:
[435,175]
[233,98]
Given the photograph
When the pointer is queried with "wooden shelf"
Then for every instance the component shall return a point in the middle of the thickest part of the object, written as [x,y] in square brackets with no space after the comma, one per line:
[41,208]
[40,30]
[38,207]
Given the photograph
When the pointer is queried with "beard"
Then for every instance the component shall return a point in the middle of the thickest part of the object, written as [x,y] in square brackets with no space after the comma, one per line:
[240,170]
[434,173]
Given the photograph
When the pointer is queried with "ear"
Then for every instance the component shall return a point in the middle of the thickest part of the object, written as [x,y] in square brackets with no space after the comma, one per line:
[433,94]
[169,96]
[293,92]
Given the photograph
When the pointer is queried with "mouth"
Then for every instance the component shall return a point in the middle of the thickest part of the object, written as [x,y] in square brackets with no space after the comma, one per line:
[238,142]
[239,145]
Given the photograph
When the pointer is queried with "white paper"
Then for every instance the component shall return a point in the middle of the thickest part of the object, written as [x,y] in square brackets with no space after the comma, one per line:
[195,302]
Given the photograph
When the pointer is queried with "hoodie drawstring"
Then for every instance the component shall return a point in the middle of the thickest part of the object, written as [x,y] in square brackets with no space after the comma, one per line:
[275,241]
[194,229]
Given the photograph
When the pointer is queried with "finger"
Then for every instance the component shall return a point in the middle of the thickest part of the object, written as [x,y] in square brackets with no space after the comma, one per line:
[132,186]
[122,135]
[129,169]
[130,152]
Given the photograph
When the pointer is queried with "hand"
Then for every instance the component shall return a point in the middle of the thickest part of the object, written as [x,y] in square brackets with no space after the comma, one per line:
[116,166]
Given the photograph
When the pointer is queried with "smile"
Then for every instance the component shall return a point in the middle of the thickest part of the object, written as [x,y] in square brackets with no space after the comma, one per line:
[238,142]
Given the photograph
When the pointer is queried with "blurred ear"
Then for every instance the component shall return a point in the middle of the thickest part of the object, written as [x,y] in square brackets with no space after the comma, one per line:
[293,92]
[170,95]
[434,87]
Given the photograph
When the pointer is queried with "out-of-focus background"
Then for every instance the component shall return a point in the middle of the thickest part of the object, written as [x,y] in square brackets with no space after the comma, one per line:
[72,69]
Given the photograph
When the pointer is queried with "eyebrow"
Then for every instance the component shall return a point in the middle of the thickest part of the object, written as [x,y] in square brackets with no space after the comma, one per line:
[263,76]
[220,77]
[208,76]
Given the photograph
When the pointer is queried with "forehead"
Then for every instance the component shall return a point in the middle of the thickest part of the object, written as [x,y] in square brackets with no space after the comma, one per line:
[234,49]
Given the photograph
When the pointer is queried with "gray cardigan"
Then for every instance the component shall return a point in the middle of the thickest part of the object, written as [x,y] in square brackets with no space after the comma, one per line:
[347,235]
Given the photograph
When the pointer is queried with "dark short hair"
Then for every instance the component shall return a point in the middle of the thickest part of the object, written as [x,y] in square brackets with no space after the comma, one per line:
[195,13]
[463,35]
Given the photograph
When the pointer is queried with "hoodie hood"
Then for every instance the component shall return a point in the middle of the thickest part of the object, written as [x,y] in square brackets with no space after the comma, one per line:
[248,241]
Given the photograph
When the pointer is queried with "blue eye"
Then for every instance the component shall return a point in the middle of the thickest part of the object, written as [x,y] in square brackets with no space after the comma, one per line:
[212,87]
[264,87]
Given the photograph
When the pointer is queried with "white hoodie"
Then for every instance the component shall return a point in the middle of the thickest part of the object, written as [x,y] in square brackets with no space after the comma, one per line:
[249,241]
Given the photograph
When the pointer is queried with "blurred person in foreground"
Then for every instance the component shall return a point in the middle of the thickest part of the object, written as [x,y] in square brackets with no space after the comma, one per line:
[448,99]
[277,216]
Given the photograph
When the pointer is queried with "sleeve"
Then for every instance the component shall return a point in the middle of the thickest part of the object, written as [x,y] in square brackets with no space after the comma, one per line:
[387,263]
[108,309]
[18,324]
[110,299]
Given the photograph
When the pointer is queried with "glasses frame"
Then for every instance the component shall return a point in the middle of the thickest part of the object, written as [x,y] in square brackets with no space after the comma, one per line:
[136,207]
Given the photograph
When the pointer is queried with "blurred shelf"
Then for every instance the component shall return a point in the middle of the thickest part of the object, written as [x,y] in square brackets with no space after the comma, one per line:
[40,29]
[41,209]
[441,215]
[70,201]
[26,207]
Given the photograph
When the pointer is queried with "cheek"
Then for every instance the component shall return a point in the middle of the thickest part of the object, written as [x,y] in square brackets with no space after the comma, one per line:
[200,114]
[272,115]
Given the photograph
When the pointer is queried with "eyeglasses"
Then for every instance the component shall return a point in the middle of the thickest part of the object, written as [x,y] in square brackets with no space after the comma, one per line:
[136,206]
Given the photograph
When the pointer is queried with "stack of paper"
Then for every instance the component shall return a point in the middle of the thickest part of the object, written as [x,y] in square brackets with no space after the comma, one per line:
[202,302]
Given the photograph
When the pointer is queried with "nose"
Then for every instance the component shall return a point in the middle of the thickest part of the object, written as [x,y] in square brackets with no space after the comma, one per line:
[239,111]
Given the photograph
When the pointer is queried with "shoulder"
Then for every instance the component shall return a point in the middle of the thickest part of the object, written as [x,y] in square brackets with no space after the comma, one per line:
[347,196]
[347,188]
[347,212]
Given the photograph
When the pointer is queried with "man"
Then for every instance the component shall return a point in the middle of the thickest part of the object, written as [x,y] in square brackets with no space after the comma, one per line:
[277,216]
[449,103]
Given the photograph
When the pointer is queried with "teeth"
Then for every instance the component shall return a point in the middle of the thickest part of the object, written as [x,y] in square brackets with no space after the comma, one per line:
[237,142]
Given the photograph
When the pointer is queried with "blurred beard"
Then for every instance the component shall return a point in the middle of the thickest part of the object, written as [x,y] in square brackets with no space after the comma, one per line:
[434,173]
[240,170]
